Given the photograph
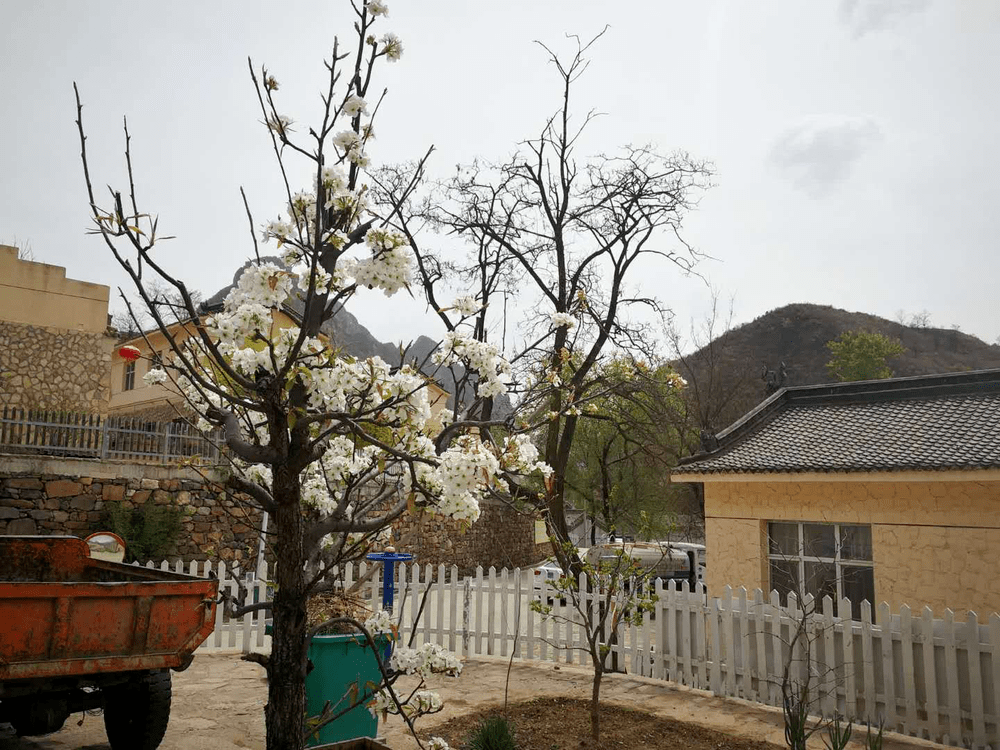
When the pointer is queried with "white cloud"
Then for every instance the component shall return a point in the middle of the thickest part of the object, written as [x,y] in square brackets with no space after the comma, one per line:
[863,16]
[819,152]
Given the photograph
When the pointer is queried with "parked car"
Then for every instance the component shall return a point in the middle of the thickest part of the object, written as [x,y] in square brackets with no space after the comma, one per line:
[548,572]
[663,560]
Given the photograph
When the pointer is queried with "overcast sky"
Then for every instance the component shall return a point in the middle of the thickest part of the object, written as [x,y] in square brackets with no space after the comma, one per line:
[854,140]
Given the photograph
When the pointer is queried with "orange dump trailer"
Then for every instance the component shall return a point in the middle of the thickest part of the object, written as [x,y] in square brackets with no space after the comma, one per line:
[77,633]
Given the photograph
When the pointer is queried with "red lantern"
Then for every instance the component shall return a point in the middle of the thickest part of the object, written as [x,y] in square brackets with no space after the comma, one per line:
[129,353]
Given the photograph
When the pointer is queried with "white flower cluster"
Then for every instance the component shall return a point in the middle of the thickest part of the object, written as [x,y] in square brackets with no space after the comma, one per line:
[437,743]
[377,8]
[280,124]
[380,623]
[420,703]
[390,266]
[467,305]
[351,144]
[521,456]
[154,376]
[354,106]
[560,319]
[392,47]
[429,659]
[485,359]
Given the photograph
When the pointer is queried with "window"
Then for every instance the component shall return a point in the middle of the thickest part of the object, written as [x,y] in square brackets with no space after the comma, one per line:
[822,559]
[128,382]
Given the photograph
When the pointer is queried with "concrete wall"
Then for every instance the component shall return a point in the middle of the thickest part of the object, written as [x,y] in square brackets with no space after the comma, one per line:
[55,352]
[38,294]
[935,539]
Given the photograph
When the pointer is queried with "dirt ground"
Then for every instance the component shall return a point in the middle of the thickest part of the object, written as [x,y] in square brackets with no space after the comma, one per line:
[218,703]
[621,728]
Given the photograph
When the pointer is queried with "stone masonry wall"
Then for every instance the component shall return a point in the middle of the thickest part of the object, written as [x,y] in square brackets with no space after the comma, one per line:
[502,538]
[46,495]
[54,368]
[215,523]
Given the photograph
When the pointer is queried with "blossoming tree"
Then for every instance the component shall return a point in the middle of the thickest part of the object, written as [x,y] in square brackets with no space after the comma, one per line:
[332,447]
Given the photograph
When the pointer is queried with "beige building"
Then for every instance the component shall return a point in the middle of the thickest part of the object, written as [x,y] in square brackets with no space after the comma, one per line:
[883,490]
[55,346]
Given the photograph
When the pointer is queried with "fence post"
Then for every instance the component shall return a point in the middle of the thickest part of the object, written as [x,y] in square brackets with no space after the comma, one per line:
[104,437]
[466,608]
[166,442]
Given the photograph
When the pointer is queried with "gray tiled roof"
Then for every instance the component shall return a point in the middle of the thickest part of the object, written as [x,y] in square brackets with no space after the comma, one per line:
[924,423]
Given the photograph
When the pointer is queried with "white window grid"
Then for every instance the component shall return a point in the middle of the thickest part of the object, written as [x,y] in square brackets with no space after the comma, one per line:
[128,382]
[802,558]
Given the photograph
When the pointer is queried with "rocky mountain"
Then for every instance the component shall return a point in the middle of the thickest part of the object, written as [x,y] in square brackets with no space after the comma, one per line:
[729,374]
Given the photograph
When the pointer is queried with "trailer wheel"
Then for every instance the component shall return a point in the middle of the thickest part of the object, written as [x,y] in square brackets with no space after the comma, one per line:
[136,713]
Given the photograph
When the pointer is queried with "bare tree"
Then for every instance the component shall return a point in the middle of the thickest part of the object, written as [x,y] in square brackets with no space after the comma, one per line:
[565,240]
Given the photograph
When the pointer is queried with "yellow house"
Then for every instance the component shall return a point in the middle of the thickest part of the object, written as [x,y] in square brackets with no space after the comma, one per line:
[55,347]
[131,396]
[881,490]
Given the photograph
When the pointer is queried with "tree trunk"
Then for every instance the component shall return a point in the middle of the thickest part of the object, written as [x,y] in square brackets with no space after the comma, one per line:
[595,705]
[286,691]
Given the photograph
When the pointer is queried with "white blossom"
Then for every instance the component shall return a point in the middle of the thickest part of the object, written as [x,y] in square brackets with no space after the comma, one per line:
[377,8]
[437,743]
[559,319]
[466,305]
[154,376]
[280,124]
[354,106]
[392,47]
[380,623]
[346,140]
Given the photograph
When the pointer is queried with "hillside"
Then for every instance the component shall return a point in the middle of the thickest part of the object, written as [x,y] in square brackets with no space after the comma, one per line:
[797,335]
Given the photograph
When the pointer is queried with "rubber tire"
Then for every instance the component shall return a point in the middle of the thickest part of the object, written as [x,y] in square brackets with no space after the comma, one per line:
[136,714]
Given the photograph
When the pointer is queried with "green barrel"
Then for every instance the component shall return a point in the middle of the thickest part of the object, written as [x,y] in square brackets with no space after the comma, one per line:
[340,661]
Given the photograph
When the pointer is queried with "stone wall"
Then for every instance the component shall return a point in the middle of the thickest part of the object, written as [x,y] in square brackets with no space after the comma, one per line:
[46,495]
[54,368]
[502,538]
[67,496]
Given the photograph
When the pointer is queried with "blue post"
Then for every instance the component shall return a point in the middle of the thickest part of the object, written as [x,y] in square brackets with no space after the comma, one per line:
[388,560]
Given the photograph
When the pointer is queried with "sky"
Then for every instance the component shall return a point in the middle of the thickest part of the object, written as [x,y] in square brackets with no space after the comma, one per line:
[854,141]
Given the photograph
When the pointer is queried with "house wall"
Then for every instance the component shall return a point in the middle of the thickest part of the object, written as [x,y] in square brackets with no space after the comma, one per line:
[55,352]
[934,542]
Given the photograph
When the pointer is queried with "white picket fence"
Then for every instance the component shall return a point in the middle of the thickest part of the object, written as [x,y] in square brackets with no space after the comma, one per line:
[927,677]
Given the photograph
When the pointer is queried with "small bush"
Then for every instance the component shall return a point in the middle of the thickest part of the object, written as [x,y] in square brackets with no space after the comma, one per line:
[149,531]
[492,733]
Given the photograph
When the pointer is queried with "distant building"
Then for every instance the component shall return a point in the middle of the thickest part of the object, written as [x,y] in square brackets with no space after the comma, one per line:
[882,490]
[55,345]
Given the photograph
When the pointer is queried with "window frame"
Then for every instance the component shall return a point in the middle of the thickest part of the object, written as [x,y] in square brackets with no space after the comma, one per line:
[128,379]
[838,561]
